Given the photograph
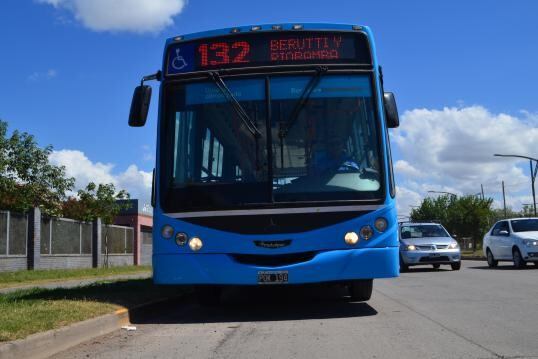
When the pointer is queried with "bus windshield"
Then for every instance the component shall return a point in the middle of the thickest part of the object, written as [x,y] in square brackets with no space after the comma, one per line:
[326,151]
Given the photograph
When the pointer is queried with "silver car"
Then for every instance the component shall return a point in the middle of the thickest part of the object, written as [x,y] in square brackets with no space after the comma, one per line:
[427,243]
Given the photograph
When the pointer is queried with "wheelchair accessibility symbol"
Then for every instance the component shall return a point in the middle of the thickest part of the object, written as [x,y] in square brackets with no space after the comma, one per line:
[179,63]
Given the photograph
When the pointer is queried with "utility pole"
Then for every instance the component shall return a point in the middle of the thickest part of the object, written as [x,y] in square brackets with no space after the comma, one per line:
[482,187]
[533,179]
[533,174]
[504,202]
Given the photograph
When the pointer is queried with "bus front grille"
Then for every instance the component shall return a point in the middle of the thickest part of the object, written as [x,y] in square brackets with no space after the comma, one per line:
[276,260]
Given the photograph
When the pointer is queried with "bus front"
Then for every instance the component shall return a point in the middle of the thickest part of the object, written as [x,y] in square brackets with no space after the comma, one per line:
[273,159]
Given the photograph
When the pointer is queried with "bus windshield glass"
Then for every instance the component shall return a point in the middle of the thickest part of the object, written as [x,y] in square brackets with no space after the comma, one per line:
[328,149]
[325,151]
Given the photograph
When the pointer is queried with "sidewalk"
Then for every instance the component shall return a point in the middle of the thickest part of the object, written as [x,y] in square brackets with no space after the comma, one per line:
[75,282]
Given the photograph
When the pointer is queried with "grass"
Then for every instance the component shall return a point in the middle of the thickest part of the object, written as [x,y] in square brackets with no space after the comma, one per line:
[29,311]
[25,277]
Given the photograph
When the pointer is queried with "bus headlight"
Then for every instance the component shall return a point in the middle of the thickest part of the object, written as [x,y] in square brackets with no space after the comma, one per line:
[381,224]
[167,231]
[367,232]
[351,238]
[181,238]
[195,244]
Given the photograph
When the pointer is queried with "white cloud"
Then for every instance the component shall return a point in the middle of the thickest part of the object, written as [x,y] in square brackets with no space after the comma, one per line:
[406,169]
[406,198]
[122,15]
[78,165]
[452,150]
[46,75]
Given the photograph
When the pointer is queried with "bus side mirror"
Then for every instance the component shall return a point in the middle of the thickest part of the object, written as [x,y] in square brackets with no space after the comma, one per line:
[140,106]
[391,112]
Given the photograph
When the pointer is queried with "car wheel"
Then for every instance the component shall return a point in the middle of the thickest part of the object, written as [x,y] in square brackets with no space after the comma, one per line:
[403,267]
[518,259]
[492,263]
[436,266]
[208,295]
[456,266]
[361,290]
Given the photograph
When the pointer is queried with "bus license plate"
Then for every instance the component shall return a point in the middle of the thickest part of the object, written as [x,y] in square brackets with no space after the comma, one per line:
[272,277]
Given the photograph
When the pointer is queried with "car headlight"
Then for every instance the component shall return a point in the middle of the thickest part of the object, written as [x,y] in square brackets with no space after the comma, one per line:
[530,242]
[410,247]
[453,245]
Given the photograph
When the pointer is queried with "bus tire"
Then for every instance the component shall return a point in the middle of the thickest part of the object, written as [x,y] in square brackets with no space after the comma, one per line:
[208,295]
[361,290]
[403,267]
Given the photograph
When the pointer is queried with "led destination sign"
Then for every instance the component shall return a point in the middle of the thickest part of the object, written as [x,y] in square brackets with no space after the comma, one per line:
[268,49]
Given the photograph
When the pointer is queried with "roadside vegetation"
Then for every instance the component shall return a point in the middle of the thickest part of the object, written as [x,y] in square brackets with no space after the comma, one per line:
[24,277]
[465,216]
[28,179]
[30,311]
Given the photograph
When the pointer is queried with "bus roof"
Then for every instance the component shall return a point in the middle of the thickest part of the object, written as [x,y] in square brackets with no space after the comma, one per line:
[269,27]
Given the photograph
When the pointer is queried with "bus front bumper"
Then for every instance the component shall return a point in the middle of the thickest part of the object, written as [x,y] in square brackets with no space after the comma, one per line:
[325,266]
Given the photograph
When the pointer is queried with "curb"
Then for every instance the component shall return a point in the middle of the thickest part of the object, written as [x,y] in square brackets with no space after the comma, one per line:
[46,344]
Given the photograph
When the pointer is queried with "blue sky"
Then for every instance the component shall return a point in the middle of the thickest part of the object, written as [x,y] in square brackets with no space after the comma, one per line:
[69,71]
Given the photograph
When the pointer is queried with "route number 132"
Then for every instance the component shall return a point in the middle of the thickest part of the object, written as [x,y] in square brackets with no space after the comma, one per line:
[222,53]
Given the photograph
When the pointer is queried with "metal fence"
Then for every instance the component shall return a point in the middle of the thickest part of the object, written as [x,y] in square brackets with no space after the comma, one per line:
[13,233]
[65,236]
[117,239]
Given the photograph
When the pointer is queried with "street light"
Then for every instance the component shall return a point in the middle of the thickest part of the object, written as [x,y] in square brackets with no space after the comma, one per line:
[533,174]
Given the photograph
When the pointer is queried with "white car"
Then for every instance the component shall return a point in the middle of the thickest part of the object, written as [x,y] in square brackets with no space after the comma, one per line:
[514,239]
[427,243]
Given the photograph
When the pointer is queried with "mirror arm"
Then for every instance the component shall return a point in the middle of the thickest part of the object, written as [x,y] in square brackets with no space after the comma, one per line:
[156,76]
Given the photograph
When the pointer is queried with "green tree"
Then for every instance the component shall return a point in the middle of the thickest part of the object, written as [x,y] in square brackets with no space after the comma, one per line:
[526,211]
[27,179]
[96,201]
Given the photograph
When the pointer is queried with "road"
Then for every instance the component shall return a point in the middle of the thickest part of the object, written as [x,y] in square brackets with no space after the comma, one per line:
[476,312]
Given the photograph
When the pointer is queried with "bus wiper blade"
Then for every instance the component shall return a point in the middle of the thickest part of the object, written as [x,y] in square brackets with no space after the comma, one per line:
[235,104]
[312,84]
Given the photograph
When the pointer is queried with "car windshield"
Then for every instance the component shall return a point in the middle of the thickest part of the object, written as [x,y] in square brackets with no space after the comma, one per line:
[423,231]
[326,151]
[525,225]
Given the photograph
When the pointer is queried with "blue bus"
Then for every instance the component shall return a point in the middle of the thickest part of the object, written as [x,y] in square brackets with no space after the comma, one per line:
[273,159]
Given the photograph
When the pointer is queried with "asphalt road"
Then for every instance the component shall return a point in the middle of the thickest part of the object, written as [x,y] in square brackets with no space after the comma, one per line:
[476,312]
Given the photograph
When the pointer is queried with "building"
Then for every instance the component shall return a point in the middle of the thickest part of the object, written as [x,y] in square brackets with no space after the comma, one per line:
[139,216]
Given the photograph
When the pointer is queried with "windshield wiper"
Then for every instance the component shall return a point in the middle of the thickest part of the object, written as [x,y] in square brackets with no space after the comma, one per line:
[301,103]
[235,104]
[239,110]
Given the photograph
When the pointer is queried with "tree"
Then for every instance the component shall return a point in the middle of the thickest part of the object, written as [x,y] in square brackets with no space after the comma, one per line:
[467,216]
[27,179]
[526,211]
[97,201]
